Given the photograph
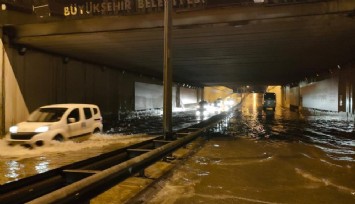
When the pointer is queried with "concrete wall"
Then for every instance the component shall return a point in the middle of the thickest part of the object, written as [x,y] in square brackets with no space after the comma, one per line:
[211,93]
[188,96]
[149,96]
[278,91]
[347,89]
[290,96]
[36,79]
[322,95]
[12,105]
[45,79]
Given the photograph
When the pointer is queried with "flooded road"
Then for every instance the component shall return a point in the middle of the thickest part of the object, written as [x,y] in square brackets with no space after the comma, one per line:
[17,162]
[262,157]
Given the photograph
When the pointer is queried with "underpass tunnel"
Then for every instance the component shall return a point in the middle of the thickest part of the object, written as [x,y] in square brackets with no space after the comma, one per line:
[228,54]
[281,74]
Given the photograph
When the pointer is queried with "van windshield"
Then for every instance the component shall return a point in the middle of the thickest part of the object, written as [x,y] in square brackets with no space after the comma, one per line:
[269,96]
[47,115]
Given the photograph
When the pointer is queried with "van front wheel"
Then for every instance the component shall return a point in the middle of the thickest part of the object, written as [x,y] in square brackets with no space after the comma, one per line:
[97,130]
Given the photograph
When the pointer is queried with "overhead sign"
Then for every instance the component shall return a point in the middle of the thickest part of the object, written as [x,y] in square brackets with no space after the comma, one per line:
[123,7]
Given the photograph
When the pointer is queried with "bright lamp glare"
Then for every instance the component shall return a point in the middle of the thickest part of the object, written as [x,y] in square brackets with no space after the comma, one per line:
[42,129]
[13,129]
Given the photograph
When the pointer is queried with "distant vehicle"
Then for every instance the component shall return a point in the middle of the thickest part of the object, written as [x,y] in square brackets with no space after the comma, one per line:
[269,101]
[202,108]
[218,103]
[56,122]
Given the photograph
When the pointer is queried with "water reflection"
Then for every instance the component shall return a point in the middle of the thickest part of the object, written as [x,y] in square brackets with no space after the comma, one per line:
[12,169]
[332,134]
[42,166]
[269,157]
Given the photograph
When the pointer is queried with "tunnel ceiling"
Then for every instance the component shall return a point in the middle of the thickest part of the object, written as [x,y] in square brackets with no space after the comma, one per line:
[228,46]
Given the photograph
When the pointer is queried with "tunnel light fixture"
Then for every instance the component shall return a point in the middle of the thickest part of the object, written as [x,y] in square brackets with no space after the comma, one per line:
[65,60]
[103,68]
[3,7]
[338,66]
[22,50]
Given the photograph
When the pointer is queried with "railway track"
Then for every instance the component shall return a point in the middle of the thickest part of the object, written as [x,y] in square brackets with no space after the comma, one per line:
[80,181]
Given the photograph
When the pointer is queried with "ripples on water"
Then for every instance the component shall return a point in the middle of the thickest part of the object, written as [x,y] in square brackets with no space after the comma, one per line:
[262,157]
[333,135]
[18,162]
[151,122]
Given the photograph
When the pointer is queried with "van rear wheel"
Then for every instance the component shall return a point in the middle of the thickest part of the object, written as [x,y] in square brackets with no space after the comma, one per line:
[58,138]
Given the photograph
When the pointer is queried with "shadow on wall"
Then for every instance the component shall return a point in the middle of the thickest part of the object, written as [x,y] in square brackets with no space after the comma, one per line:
[13,106]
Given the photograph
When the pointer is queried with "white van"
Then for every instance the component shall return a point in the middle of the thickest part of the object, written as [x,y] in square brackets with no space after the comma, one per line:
[56,122]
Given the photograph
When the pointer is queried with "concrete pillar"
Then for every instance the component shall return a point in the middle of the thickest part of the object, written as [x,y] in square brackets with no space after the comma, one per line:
[13,108]
[178,98]
[167,114]
[200,94]
[2,86]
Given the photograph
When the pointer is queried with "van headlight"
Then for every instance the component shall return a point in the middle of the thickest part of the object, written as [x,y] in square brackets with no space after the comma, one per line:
[42,129]
[13,129]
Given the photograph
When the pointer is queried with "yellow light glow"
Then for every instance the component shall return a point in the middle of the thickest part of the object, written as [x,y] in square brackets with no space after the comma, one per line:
[254,102]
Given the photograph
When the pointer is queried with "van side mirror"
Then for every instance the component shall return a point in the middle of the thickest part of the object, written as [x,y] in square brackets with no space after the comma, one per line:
[71,120]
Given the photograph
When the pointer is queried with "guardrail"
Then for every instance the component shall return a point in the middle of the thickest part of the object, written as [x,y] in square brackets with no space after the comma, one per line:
[81,181]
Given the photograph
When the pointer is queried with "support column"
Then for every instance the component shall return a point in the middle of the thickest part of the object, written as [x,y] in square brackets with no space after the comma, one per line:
[178,96]
[2,86]
[167,114]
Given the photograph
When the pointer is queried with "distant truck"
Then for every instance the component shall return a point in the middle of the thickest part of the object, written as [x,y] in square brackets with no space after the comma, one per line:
[269,101]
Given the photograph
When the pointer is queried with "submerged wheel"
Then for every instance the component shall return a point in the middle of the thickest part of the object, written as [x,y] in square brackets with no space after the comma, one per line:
[58,138]
[39,143]
[97,130]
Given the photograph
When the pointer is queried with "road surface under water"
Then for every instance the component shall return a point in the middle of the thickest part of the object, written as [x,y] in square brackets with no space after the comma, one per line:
[17,162]
[260,157]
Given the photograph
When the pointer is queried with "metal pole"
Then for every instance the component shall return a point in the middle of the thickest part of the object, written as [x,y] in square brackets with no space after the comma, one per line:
[167,114]
[2,88]
[79,189]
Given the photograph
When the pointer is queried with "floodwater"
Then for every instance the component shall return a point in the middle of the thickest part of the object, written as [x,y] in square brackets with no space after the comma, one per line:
[261,157]
[17,162]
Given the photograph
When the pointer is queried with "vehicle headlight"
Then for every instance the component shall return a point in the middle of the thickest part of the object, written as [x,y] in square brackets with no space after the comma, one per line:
[13,129]
[42,129]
